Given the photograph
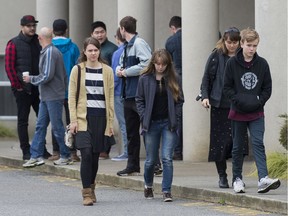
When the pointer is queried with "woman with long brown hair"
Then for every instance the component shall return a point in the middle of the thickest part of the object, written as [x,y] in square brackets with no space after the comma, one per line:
[159,100]
[93,114]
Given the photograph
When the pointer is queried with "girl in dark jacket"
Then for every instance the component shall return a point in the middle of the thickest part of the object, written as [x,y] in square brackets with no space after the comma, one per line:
[212,96]
[159,100]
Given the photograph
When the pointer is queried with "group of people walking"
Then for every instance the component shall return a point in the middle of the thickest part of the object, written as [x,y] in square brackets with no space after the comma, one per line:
[144,89]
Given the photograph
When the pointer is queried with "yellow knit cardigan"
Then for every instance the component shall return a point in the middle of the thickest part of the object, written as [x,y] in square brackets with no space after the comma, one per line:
[79,115]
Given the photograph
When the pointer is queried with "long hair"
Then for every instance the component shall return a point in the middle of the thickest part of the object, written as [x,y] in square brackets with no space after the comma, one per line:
[164,57]
[231,33]
[96,43]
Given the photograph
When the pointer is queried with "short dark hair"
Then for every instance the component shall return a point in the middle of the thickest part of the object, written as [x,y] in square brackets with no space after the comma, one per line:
[97,24]
[129,23]
[175,21]
[59,27]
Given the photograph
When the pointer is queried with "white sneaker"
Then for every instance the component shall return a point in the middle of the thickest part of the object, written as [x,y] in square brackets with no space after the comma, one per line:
[266,184]
[239,186]
[63,161]
[34,162]
[121,157]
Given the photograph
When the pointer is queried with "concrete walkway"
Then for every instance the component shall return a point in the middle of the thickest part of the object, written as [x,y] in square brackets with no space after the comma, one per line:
[197,181]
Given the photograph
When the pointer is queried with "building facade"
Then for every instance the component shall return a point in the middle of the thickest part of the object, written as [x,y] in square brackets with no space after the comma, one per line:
[201,23]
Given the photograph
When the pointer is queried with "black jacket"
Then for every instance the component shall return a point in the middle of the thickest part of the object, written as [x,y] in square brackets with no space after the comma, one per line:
[145,98]
[247,88]
[213,80]
[27,57]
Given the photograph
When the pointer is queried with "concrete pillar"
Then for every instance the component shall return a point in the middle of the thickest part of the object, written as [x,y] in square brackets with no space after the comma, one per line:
[143,11]
[107,11]
[199,35]
[271,24]
[165,9]
[80,19]
[49,10]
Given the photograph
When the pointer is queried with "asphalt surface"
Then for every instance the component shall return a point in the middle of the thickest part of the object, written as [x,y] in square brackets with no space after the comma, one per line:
[197,181]
[47,194]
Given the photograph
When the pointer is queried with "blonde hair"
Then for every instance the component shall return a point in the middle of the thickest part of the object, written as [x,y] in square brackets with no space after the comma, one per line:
[249,35]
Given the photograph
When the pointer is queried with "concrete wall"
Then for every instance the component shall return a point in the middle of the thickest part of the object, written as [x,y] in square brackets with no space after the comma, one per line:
[10,14]
[271,24]
[107,12]
[164,10]
[236,13]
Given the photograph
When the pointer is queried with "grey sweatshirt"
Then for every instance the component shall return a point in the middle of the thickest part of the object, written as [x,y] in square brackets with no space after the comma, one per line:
[52,78]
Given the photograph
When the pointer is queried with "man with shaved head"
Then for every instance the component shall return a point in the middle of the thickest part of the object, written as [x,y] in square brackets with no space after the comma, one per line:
[52,82]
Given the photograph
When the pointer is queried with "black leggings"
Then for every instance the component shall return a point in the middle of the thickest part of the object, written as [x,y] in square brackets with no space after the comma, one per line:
[89,166]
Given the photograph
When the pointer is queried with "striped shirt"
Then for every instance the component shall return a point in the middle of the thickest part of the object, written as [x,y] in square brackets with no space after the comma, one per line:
[95,92]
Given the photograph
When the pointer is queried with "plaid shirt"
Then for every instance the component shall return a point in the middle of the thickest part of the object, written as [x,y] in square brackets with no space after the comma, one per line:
[10,65]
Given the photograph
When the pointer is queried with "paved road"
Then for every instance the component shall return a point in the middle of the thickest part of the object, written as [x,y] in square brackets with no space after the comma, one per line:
[30,193]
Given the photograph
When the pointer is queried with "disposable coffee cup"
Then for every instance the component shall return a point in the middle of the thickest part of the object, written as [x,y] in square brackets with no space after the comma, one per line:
[26,73]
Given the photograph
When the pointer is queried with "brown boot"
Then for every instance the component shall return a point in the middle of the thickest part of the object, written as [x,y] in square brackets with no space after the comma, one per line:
[86,193]
[74,156]
[55,156]
[93,196]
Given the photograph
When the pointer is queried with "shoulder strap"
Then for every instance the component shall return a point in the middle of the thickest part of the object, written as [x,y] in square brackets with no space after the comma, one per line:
[78,84]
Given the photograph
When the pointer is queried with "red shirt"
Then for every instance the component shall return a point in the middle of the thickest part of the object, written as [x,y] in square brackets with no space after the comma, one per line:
[10,63]
[233,115]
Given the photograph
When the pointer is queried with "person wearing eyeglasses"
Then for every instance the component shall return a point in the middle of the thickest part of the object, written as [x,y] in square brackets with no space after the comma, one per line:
[214,98]
[248,85]
[22,55]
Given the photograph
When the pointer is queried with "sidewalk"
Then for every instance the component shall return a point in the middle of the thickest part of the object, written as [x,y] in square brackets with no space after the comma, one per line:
[197,181]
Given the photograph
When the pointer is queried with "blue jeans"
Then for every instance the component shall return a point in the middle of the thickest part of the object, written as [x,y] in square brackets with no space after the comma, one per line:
[119,110]
[256,130]
[49,111]
[159,129]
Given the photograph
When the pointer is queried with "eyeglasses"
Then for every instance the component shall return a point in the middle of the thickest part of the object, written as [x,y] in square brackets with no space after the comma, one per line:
[31,26]
[232,29]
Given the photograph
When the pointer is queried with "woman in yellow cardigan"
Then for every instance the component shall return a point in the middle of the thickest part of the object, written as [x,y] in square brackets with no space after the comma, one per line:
[92,117]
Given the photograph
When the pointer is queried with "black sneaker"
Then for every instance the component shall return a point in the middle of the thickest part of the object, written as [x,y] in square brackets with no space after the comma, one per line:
[158,170]
[128,172]
[148,193]
[167,197]
[223,182]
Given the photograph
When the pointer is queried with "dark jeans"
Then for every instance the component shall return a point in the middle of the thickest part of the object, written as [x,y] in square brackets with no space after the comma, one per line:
[178,150]
[239,130]
[132,126]
[24,102]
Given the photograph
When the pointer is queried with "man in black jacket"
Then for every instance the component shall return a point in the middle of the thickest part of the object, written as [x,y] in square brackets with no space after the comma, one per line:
[22,54]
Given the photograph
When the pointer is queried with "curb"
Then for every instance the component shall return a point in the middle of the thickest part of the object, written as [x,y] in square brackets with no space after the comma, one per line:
[240,200]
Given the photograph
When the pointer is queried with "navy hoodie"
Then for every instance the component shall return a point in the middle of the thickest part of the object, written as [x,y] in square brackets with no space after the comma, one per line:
[248,88]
